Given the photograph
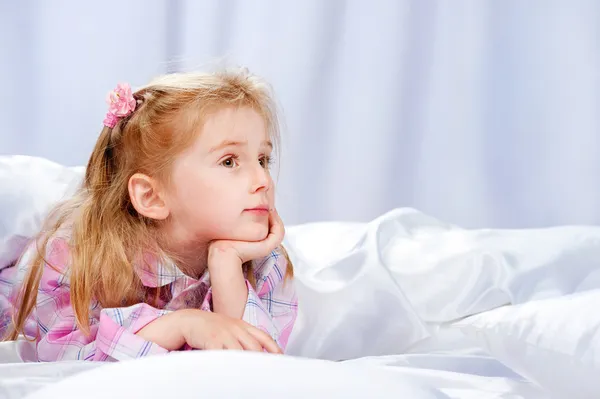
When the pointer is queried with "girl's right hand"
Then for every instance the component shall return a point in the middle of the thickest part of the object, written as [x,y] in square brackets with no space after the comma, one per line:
[207,330]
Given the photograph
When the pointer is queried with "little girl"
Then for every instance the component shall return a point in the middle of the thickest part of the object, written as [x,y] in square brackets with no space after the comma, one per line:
[173,241]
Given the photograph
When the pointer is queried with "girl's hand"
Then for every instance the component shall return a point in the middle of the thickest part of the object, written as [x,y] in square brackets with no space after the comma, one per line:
[225,260]
[245,250]
[210,331]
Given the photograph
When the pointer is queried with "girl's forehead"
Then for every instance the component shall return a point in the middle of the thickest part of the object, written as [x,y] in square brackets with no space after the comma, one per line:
[234,125]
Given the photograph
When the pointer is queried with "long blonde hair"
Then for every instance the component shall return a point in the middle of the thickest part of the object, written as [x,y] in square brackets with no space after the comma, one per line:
[106,231]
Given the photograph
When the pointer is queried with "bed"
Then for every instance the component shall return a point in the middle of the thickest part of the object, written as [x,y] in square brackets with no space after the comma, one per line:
[403,306]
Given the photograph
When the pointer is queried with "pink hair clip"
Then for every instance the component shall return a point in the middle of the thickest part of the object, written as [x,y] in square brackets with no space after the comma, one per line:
[120,104]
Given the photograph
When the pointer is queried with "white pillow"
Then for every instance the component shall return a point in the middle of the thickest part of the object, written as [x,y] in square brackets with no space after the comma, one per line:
[552,342]
[29,187]
[235,374]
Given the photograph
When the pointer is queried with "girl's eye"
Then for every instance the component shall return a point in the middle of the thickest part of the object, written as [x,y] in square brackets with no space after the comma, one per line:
[265,162]
[229,162]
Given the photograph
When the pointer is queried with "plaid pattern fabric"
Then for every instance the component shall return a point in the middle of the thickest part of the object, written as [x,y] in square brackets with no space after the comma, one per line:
[272,306]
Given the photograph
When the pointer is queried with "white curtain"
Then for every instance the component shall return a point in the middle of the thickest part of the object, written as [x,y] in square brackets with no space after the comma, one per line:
[481,113]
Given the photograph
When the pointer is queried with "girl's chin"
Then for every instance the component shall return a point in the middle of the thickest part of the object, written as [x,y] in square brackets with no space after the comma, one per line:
[254,232]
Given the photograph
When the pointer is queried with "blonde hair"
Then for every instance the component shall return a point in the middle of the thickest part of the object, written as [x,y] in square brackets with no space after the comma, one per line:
[106,231]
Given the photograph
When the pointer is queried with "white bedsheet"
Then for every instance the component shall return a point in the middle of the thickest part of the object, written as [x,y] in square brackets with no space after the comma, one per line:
[456,376]
[384,296]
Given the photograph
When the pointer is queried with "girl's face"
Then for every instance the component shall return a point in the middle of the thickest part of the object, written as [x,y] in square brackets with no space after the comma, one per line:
[221,187]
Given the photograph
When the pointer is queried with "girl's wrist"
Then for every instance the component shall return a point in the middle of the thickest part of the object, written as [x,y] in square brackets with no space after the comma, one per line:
[222,262]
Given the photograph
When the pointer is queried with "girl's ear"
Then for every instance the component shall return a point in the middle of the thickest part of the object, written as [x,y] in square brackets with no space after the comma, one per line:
[146,197]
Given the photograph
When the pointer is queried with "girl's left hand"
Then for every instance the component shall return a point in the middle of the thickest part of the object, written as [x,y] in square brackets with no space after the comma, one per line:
[246,250]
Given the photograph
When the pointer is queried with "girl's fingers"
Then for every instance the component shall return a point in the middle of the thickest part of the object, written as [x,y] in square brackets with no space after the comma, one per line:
[264,340]
[248,341]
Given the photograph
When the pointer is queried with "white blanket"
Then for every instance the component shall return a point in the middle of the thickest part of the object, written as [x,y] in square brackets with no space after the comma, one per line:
[404,275]
[385,296]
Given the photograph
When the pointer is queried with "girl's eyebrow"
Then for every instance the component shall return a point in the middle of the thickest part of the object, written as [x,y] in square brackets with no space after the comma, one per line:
[227,143]
[230,143]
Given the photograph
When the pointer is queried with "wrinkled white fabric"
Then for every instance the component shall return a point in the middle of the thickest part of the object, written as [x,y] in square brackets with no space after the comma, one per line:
[236,374]
[349,304]
[458,376]
[554,342]
[29,187]
[387,286]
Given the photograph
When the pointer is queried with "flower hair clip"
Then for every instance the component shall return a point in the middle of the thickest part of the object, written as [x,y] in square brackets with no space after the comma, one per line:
[120,104]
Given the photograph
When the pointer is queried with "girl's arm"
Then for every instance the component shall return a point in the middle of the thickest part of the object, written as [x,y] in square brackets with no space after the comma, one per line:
[206,330]
[228,285]
[112,331]
[165,331]
[130,332]
[272,306]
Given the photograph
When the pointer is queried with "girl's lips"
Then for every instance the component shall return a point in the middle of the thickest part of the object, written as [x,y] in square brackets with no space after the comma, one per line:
[260,210]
